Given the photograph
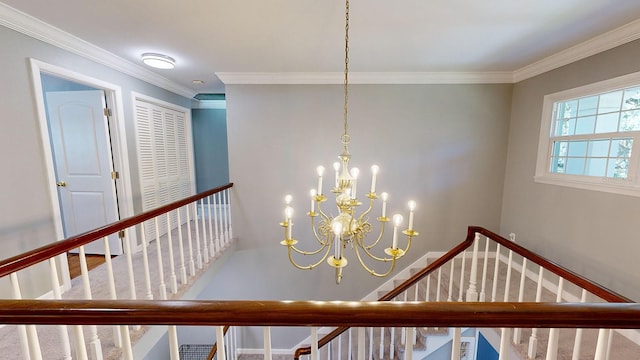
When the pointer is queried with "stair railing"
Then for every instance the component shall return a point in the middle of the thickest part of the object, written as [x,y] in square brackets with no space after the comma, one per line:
[313,314]
[445,280]
[177,239]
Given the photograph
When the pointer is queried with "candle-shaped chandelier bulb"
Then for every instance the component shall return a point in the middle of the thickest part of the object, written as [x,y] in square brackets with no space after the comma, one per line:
[350,227]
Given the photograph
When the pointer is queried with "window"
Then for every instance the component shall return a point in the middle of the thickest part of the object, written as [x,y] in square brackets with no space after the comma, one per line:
[588,134]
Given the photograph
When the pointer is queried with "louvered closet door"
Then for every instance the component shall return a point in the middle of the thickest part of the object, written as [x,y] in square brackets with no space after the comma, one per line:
[164,159]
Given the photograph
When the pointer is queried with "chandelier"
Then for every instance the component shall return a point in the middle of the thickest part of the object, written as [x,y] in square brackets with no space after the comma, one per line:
[349,228]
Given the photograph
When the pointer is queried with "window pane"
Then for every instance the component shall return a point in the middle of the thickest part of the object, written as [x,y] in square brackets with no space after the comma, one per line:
[607,123]
[596,167]
[618,168]
[578,148]
[557,165]
[587,106]
[610,102]
[631,99]
[599,148]
[621,148]
[567,109]
[630,120]
[560,148]
[575,166]
[585,125]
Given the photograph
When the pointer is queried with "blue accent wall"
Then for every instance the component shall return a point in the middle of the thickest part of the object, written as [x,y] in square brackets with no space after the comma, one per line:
[210,150]
[485,350]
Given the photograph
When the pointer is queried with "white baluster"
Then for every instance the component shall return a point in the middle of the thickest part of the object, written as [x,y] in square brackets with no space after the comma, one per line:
[602,344]
[267,342]
[505,334]
[552,345]
[78,341]
[173,281]
[220,341]
[361,351]
[195,223]
[496,267]
[533,339]
[483,294]
[455,344]
[507,282]
[577,344]
[450,298]
[350,347]
[94,341]
[216,219]
[28,335]
[517,333]
[111,283]
[162,286]
[427,290]
[408,347]
[212,247]
[55,286]
[314,343]
[381,352]
[339,347]
[392,345]
[472,292]
[403,332]
[174,352]
[145,263]
[192,267]
[439,283]
[462,269]
[205,241]
[370,343]
[229,213]
[127,350]
[182,269]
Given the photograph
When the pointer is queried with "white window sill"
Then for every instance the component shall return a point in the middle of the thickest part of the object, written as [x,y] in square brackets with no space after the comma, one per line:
[621,187]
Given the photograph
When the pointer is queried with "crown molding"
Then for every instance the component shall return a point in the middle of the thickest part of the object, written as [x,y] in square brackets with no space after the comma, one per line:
[598,44]
[390,78]
[37,29]
[209,104]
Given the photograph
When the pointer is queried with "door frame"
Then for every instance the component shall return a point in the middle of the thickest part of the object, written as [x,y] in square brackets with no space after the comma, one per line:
[120,153]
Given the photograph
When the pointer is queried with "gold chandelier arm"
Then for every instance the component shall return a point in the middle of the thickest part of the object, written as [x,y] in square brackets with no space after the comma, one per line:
[368,210]
[369,254]
[367,247]
[311,266]
[315,230]
[325,217]
[393,263]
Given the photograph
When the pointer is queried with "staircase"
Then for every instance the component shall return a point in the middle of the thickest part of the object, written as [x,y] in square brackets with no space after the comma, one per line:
[504,275]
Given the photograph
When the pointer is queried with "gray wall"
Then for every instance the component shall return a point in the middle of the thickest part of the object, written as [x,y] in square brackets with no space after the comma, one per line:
[592,233]
[442,145]
[26,219]
[210,148]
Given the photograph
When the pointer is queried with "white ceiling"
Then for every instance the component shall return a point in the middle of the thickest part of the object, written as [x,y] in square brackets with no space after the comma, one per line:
[307,36]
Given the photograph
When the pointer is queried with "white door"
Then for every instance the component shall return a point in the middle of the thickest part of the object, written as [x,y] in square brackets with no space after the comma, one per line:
[82,155]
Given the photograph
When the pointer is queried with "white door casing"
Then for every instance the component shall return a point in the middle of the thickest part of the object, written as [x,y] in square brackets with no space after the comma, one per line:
[82,160]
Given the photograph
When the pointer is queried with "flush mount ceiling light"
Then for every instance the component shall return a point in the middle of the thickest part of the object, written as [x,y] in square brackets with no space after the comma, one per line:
[158,61]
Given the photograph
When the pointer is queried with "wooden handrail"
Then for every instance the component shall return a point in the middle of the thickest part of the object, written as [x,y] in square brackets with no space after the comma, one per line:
[46,252]
[587,284]
[320,313]
[563,272]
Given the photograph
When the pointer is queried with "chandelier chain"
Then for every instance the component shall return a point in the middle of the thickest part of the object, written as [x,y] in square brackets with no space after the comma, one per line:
[345,137]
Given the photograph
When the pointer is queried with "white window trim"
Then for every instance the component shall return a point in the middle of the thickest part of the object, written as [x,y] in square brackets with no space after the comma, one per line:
[629,186]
